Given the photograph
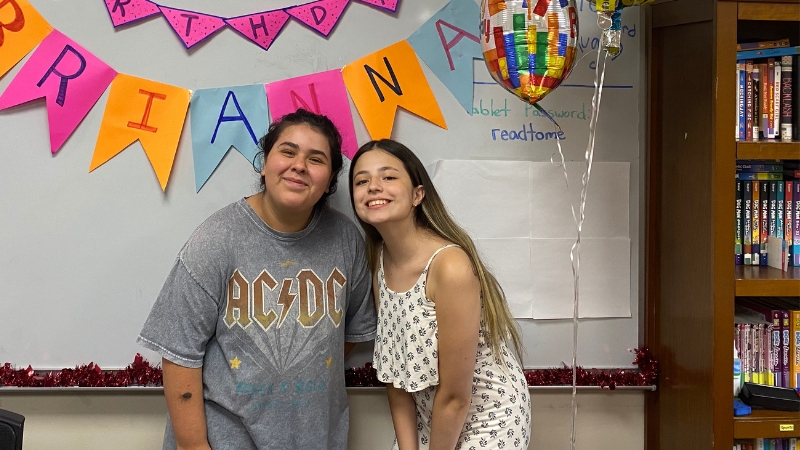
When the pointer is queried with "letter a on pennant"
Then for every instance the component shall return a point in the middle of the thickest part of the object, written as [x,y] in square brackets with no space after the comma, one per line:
[70,78]
[391,77]
[21,29]
[321,16]
[261,28]
[192,27]
[127,11]
[141,109]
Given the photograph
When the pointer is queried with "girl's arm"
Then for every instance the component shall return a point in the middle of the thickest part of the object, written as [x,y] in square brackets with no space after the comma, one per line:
[455,289]
[404,418]
[183,390]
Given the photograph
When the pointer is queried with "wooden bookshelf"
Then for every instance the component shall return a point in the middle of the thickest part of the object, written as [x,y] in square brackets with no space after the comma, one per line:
[691,279]
[758,281]
[767,424]
[767,150]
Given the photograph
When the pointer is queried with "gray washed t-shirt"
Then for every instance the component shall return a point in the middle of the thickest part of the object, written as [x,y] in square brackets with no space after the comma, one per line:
[266,315]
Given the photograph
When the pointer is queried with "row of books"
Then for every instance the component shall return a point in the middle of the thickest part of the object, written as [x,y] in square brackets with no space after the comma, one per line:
[767,340]
[764,95]
[767,217]
[766,444]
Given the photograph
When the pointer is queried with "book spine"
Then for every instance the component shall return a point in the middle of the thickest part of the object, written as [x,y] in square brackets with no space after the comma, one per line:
[794,370]
[763,44]
[796,226]
[786,98]
[764,228]
[761,176]
[773,192]
[739,258]
[775,347]
[788,222]
[758,168]
[767,52]
[765,106]
[749,101]
[776,98]
[756,101]
[756,239]
[748,220]
[741,76]
[791,173]
[786,331]
[792,443]
[770,98]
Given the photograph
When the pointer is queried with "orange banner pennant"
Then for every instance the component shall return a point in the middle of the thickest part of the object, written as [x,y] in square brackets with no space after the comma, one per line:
[146,110]
[21,29]
[391,77]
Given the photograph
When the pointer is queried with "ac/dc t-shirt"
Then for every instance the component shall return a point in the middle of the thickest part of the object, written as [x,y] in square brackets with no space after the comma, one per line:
[266,315]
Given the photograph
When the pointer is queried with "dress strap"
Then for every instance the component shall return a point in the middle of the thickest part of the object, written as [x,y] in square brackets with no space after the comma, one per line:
[427,266]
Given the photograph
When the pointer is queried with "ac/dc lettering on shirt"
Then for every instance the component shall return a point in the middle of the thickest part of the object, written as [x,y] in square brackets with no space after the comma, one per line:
[257,301]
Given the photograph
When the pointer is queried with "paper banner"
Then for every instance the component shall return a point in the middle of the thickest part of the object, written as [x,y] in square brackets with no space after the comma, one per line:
[21,29]
[146,110]
[68,76]
[223,118]
[127,11]
[322,93]
[386,79]
[261,28]
[389,5]
[321,16]
[192,27]
[446,46]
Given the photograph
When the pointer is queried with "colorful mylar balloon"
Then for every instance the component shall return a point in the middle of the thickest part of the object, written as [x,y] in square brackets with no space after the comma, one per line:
[529,45]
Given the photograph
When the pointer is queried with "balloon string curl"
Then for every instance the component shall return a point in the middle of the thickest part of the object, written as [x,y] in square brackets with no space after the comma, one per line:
[574,254]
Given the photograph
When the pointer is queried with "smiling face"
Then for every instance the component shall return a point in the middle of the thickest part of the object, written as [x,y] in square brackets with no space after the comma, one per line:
[297,170]
[382,189]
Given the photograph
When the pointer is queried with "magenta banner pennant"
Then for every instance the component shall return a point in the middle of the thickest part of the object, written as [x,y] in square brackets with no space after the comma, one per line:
[389,5]
[192,27]
[261,28]
[322,93]
[127,11]
[69,77]
[321,16]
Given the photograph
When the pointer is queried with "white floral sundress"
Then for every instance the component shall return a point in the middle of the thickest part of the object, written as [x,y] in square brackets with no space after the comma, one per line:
[406,355]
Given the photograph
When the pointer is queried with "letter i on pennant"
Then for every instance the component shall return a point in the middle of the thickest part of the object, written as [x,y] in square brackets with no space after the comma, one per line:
[150,112]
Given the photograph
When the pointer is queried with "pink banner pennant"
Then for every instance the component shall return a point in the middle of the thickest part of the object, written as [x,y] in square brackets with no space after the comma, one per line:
[127,11]
[322,93]
[389,5]
[261,28]
[69,77]
[192,27]
[321,16]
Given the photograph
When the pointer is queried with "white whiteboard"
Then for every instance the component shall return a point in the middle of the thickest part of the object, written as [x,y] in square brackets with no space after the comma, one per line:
[84,255]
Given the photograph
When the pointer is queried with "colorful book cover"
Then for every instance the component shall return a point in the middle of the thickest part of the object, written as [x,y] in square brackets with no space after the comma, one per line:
[776,99]
[773,339]
[756,101]
[786,99]
[770,98]
[767,53]
[747,235]
[773,193]
[796,226]
[794,363]
[739,258]
[766,102]
[788,234]
[786,346]
[748,111]
[741,76]
[764,228]
[791,173]
[756,239]
[762,176]
[758,168]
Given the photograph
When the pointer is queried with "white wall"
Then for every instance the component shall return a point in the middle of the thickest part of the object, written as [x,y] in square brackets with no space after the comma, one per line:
[135,421]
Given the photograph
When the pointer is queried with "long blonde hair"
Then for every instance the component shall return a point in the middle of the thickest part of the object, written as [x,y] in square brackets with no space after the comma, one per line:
[499,326]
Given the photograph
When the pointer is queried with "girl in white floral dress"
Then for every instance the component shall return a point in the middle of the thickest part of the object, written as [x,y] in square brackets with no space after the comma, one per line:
[444,328]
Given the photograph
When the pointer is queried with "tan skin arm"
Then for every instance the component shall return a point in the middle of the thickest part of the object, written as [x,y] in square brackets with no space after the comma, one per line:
[183,390]
[454,287]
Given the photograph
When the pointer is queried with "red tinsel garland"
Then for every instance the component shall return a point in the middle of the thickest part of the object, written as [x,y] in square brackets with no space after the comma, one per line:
[142,373]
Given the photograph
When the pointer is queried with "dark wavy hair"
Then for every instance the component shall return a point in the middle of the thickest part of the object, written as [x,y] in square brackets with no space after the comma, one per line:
[317,122]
